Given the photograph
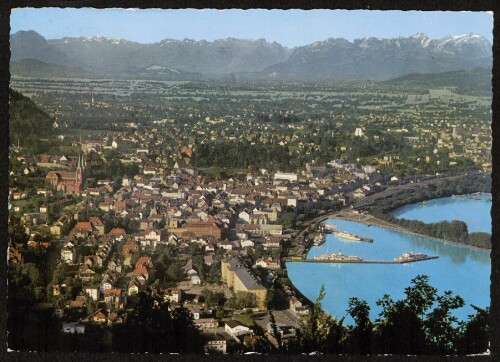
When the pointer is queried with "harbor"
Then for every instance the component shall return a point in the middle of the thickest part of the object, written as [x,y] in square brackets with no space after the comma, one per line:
[332,229]
[358,261]
[378,268]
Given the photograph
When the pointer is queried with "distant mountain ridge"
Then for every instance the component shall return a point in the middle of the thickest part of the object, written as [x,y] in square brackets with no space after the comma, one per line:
[475,82]
[333,58]
[385,58]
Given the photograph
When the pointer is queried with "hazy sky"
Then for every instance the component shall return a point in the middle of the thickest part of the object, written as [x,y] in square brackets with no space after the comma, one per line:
[288,27]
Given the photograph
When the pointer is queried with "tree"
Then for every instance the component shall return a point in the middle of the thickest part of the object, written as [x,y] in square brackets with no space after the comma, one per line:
[276,333]
[17,233]
[439,325]
[187,337]
[174,272]
[336,337]
[475,335]
[399,329]
[408,327]
[117,183]
[312,334]
[199,266]
[420,296]
[361,334]
[276,299]
[245,300]
[151,327]
[213,298]
[289,220]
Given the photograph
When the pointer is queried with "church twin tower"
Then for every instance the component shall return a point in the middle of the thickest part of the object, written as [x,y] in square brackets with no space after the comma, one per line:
[80,169]
[67,181]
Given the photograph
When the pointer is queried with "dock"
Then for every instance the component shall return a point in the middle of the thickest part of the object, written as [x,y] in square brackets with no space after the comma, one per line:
[300,260]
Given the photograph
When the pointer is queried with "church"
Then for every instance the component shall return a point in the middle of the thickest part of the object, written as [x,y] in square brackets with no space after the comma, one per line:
[69,181]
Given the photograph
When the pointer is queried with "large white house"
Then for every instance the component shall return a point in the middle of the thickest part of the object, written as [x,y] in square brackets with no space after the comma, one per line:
[292,177]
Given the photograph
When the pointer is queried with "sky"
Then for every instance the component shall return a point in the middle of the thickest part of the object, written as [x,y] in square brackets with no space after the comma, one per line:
[288,27]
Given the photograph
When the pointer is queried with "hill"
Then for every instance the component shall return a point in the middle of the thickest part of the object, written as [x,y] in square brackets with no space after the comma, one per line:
[37,69]
[475,82]
[29,125]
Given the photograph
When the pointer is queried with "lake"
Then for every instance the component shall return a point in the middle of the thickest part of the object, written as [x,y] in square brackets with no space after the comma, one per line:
[463,270]
[475,213]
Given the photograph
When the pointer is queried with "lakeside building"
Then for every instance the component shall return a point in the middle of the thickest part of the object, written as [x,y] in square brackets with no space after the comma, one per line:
[241,280]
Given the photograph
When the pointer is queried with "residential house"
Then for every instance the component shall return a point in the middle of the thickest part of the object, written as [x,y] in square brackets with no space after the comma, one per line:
[236,329]
[214,343]
[68,254]
[133,287]
[92,261]
[100,316]
[273,242]
[175,295]
[97,224]
[114,318]
[128,250]
[115,265]
[82,229]
[92,291]
[268,263]
[86,273]
[206,324]
[73,327]
[114,297]
[144,268]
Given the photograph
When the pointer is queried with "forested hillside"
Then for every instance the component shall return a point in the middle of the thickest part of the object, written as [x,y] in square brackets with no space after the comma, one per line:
[29,125]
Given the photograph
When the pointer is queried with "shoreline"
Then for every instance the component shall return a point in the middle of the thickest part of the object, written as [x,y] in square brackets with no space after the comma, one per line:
[366,219]
[374,221]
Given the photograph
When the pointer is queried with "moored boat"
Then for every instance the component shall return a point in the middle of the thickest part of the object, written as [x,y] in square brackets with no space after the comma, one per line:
[319,239]
[338,257]
[328,228]
[346,235]
[412,256]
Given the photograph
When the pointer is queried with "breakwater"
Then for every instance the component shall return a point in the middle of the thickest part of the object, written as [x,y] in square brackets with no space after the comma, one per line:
[300,260]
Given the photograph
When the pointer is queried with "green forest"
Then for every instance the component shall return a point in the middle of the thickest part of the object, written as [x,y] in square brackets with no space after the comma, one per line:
[29,126]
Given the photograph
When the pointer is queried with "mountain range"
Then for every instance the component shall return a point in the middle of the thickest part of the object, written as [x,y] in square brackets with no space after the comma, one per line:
[375,58]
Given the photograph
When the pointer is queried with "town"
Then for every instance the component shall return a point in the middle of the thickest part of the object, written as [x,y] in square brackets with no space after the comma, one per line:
[205,212]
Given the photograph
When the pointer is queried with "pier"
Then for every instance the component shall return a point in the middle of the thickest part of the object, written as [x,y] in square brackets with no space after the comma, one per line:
[300,260]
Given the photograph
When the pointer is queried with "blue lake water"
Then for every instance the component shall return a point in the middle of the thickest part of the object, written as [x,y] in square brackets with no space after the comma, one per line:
[476,214]
[464,271]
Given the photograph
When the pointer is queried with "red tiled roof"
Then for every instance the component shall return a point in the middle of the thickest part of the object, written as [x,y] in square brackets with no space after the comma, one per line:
[117,231]
[83,225]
